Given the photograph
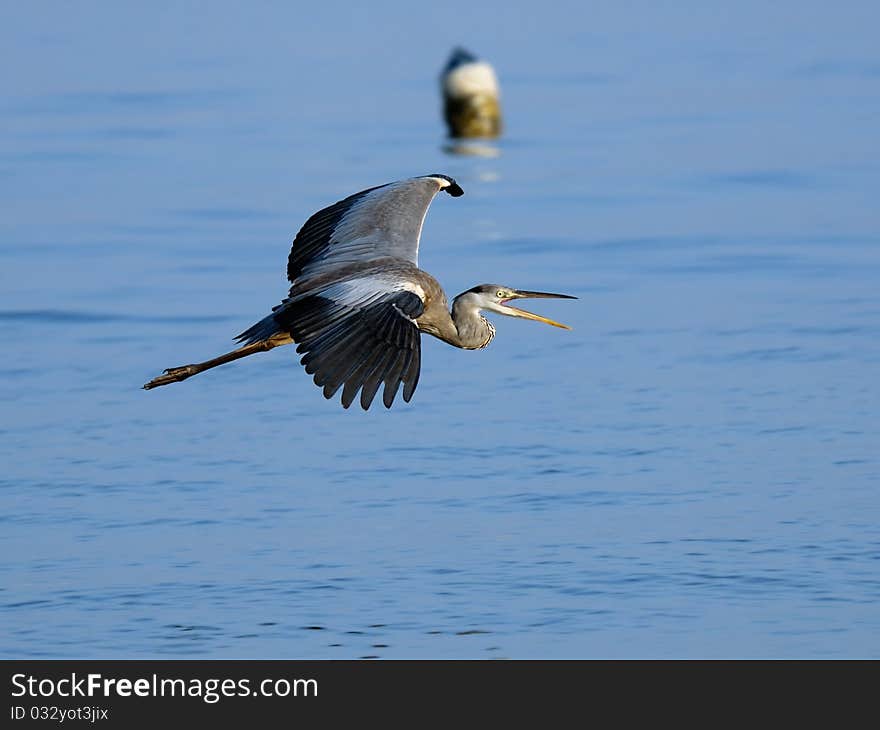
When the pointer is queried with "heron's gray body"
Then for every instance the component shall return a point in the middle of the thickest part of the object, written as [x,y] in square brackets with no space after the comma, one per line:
[358,300]
[463,327]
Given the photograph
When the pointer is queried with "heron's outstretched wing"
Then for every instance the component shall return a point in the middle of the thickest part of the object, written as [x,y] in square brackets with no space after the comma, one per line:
[358,334]
[385,221]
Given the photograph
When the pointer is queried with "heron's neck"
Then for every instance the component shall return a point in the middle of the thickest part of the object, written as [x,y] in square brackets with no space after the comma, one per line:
[472,331]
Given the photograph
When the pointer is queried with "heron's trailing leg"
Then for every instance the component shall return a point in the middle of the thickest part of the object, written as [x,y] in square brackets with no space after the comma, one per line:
[175,375]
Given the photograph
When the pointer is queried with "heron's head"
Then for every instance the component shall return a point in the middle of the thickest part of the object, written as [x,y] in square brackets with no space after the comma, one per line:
[497,298]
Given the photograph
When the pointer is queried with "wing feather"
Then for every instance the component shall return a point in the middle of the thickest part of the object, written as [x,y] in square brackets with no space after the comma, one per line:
[357,335]
[392,377]
[354,381]
[384,221]
[410,376]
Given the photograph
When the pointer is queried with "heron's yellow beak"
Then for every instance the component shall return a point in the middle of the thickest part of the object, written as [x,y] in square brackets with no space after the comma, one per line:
[516,312]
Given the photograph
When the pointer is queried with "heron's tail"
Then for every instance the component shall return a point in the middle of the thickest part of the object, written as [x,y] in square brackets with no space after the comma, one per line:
[265,329]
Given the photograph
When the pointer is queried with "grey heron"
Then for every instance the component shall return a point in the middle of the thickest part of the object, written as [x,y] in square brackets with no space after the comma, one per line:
[358,301]
[471,97]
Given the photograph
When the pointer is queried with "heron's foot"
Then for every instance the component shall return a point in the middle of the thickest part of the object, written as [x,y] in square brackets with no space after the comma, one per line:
[172,375]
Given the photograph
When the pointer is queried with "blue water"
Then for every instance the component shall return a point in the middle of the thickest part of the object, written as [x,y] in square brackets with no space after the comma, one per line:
[693,471]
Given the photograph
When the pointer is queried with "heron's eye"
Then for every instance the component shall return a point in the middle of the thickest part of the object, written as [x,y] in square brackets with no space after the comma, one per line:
[501,294]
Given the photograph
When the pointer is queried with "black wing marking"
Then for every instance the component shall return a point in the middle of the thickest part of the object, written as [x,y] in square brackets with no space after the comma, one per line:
[358,347]
[314,237]
[384,221]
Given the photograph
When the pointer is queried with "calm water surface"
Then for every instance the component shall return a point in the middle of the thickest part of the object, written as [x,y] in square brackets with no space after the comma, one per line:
[693,471]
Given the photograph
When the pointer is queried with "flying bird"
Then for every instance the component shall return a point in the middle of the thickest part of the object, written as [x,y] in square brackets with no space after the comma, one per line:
[358,301]
[471,97]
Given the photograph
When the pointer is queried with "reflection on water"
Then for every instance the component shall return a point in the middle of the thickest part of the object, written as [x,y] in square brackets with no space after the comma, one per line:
[471,149]
[692,471]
